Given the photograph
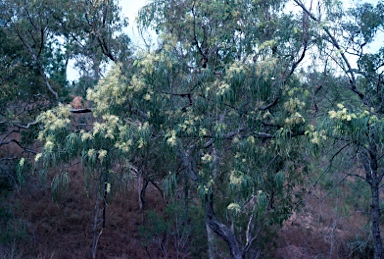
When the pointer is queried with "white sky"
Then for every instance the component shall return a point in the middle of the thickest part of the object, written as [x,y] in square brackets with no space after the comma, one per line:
[130,9]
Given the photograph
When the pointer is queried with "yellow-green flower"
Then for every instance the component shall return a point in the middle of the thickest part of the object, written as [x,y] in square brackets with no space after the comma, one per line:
[102,154]
[38,156]
[206,158]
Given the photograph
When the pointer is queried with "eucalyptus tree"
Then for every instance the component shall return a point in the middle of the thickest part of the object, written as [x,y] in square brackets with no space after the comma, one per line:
[63,143]
[215,111]
[353,119]
[38,39]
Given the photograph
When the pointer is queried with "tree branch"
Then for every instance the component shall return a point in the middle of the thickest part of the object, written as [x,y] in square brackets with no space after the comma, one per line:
[222,230]
[36,59]
[335,43]
[25,126]
[20,145]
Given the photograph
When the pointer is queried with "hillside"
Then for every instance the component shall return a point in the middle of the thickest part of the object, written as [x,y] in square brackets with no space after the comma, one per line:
[39,227]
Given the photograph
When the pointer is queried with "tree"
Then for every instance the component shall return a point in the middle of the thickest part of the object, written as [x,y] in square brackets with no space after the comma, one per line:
[38,40]
[216,115]
[97,154]
[236,102]
[355,119]
[219,102]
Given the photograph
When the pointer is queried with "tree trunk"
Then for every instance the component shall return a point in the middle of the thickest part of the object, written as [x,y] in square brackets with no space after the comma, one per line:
[210,237]
[378,246]
[222,230]
[96,234]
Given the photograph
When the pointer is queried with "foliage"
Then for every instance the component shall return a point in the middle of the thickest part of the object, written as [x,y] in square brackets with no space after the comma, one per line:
[13,228]
[217,118]
[214,102]
[39,38]
[353,120]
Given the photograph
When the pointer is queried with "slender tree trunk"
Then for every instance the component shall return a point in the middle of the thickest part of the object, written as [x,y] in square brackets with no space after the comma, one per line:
[378,245]
[210,237]
[143,192]
[373,178]
[222,230]
[140,187]
[96,234]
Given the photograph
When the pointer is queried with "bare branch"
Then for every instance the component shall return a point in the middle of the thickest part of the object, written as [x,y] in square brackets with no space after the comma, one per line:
[41,70]
[20,145]
[335,43]
[268,106]
[25,126]
[86,110]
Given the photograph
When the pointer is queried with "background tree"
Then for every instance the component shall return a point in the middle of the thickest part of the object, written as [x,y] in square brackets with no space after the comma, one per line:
[38,41]
[96,148]
[39,38]
[353,117]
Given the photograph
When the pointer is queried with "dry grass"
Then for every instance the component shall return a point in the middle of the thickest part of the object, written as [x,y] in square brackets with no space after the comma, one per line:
[319,230]
[64,229]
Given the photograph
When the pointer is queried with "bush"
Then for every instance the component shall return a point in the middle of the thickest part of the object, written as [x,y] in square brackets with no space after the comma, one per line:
[8,176]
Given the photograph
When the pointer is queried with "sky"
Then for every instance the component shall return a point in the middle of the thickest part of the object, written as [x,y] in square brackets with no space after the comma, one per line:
[130,9]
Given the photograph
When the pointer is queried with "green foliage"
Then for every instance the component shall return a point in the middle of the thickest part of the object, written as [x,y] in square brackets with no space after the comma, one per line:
[224,123]
[352,119]
[214,102]
[59,184]
[361,246]
[8,176]
[368,19]
[39,38]
[153,229]
[187,228]
[215,114]
[181,225]
[12,228]
[218,110]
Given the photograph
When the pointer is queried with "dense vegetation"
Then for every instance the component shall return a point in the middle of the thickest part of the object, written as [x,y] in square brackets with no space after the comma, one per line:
[241,110]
